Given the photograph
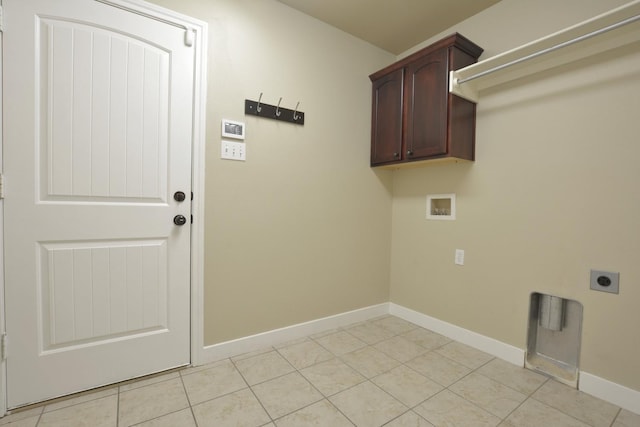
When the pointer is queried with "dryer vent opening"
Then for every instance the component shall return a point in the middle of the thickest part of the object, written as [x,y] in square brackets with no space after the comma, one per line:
[554,336]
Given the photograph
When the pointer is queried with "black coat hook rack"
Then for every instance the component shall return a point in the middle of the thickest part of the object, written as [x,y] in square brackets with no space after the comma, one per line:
[260,109]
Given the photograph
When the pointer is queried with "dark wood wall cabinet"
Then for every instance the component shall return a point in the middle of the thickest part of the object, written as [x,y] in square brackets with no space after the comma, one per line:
[414,117]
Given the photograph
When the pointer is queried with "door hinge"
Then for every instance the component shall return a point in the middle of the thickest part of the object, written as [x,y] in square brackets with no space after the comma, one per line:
[1,186]
[1,20]
[188,37]
[3,347]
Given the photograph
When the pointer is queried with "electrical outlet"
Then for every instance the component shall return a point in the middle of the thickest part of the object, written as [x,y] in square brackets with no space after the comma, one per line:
[231,150]
[605,281]
[459,259]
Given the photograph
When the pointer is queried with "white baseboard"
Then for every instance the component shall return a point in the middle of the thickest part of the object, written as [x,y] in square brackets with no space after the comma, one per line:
[494,347]
[617,394]
[614,393]
[239,346]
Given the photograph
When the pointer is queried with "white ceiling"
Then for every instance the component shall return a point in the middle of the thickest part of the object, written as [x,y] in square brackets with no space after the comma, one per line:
[393,25]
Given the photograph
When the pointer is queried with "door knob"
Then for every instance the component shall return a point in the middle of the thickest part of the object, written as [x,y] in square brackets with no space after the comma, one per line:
[179,196]
[179,220]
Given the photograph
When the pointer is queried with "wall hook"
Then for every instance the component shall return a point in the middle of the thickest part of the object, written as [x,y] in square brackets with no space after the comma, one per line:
[295,112]
[268,111]
[259,108]
[278,108]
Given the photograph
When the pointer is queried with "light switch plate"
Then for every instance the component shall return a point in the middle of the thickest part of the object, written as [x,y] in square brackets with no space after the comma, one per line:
[231,150]
[459,259]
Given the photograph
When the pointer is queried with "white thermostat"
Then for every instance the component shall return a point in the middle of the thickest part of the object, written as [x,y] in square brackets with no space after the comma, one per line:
[232,129]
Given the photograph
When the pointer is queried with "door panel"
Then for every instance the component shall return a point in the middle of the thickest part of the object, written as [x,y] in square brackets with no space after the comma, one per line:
[98,136]
[427,117]
[104,116]
[91,292]
[386,129]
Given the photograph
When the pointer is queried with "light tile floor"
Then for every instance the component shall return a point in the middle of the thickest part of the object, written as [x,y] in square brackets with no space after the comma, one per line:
[383,372]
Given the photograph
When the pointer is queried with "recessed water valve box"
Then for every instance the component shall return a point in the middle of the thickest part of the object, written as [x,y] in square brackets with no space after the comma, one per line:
[441,206]
[605,281]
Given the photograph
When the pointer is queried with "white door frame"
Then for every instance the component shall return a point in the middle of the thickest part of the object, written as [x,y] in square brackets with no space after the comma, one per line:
[196,33]
[3,364]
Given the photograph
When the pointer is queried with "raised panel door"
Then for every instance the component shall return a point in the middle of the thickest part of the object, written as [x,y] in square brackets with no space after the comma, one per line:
[426,98]
[97,139]
[387,115]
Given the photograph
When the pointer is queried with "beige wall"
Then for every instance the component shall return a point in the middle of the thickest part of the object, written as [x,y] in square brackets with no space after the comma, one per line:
[304,228]
[301,230]
[554,192]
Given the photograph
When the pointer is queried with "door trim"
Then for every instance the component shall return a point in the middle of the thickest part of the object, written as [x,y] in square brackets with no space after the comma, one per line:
[199,35]
[3,364]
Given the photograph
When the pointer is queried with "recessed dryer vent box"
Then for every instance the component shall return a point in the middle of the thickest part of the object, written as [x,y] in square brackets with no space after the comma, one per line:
[441,206]
[554,337]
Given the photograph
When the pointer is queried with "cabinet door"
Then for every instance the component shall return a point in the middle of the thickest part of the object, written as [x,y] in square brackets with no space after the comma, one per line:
[386,121]
[426,97]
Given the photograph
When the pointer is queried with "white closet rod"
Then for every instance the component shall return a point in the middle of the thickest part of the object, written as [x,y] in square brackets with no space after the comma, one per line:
[550,49]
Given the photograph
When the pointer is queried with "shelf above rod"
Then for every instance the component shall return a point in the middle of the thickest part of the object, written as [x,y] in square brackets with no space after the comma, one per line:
[616,28]
[260,109]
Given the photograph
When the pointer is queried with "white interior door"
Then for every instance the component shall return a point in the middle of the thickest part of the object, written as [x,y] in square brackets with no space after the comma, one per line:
[97,139]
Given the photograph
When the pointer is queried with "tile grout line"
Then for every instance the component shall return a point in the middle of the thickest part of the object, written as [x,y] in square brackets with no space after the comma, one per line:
[247,386]
[507,385]
[40,417]
[322,394]
[613,422]
[402,415]
[529,397]
[310,383]
[514,410]
[401,363]
[305,378]
[184,387]
[251,389]
[502,419]
[335,356]
[447,388]
[213,398]
[561,411]
[340,358]
[118,408]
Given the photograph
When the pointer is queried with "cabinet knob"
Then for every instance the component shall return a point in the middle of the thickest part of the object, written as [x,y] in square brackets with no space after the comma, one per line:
[396,154]
[409,153]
